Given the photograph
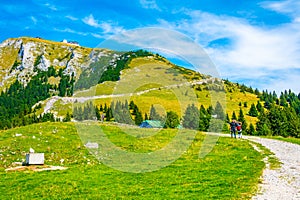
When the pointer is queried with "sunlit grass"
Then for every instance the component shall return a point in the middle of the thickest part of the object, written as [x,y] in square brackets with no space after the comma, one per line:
[61,108]
[230,171]
[271,159]
[288,139]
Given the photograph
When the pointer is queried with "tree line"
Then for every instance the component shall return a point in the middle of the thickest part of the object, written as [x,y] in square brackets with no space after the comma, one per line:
[17,100]
[112,73]
[280,116]
[277,115]
[129,113]
[121,112]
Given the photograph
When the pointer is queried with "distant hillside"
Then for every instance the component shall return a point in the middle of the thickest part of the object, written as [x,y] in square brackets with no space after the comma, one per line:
[44,80]
[33,70]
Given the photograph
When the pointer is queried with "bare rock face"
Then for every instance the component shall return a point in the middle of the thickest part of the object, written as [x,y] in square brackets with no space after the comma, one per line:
[27,55]
[44,63]
[20,58]
[23,58]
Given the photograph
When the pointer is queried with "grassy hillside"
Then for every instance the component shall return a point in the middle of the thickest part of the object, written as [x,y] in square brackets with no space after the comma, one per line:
[145,78]
[173,87]
[230,171]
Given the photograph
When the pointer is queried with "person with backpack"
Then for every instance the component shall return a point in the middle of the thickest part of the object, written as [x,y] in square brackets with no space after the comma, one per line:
[239,129]
[233,124]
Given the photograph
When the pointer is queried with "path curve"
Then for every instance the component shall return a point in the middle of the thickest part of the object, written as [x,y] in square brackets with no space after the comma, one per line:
[282,183]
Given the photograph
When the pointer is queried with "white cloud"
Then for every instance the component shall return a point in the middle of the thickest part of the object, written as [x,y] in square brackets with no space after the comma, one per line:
[165,41]
[71,18]
[96,35]
[68,30]
[287,80]
[149,4]
[110,28]
[34,20]
[290,7]
[91,21]
[51,7]
[107,27]
[254,51]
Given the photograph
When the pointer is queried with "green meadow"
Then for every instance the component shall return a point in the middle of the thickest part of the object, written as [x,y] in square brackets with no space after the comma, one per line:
[287,139]
[230,171]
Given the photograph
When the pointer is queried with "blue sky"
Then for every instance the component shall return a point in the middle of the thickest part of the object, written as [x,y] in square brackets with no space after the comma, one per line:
[253,42]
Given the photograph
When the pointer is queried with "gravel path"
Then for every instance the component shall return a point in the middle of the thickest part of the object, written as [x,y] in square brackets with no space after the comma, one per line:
[283,183]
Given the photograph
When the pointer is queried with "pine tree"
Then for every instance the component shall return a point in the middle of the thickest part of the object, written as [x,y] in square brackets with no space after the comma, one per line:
[62,87]
[225,128]
[278,121]
[251,130]
[138,118]
[135,109]
[227,118]
[191,117]
[126,105]
[146,116]
[259,107]
[153,114]
[267,103]
[97,112]
[266,130]
[108,114]
[77,113]
[121,113]
[131,105]
[233,116]
[204,119]
[67,118]
[105,108]
[241,118]
[262,126]
[283,101]
[210,110]
[172,120]
[293,122]
[117,111]
[253,111]
[219,111]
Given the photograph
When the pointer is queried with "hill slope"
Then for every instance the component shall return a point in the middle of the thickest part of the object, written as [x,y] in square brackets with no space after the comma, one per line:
[34,70]
[62,69]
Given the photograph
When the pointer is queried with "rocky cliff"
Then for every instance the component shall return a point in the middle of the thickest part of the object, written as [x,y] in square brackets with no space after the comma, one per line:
[21,58]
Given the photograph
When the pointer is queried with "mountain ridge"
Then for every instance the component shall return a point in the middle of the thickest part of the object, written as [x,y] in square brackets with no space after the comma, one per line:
[32,71]
[21,57]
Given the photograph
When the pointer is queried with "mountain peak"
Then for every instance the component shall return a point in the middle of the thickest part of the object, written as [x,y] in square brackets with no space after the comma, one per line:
[25,39]
[21,57]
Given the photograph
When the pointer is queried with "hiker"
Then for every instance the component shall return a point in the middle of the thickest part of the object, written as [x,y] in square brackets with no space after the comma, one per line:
[239,129]
[233,125]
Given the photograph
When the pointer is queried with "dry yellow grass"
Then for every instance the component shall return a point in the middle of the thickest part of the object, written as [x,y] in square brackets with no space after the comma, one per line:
[147,73]
[7,58]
